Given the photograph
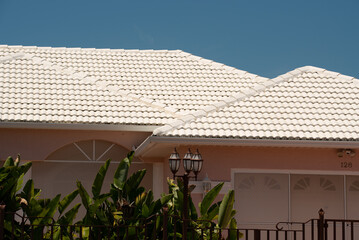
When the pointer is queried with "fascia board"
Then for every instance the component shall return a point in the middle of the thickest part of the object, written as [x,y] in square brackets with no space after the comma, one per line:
[144,146]
[78,126]
[244,142]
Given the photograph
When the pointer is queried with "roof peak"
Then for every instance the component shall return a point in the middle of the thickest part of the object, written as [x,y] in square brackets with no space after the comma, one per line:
[89,48]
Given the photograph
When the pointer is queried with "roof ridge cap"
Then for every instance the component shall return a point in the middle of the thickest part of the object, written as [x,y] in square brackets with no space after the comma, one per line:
[11,57]
[326,72]
[260,87]
[286,76]
[311,68]
[215,64]
[89,48]
[340,76]
[204,111]
[100,84]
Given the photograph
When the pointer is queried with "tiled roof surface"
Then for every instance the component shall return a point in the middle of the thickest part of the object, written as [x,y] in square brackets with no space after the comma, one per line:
[308,103]
[188,96]
[74,85]
[35,92]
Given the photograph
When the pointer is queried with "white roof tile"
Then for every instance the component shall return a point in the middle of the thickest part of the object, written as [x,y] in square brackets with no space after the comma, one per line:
[308,103]
[160,85]
[188,95]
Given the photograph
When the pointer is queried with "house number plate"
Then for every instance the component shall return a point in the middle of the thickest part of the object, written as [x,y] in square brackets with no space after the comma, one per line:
[346,164]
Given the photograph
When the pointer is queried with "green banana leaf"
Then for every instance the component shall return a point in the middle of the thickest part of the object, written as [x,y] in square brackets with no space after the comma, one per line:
[132,183]
[69,216]
[100,177]
[86,199]
[48,211]
[122,171]
[225,209]
[209,198]
[9,162]
[66,201]
[233,233]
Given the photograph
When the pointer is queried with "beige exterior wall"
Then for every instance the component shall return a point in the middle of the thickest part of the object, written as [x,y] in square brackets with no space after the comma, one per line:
[221,163]
[53,176]
[220,160]
[37,144]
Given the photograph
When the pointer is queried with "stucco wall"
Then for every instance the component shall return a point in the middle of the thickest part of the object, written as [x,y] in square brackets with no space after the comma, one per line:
[219,160]
[55,177]
[37,144]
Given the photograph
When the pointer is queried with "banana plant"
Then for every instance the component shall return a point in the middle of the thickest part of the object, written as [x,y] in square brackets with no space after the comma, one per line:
[124,189]
[96,212]
[132,205]
[11,178]
[216,215]
[38,211]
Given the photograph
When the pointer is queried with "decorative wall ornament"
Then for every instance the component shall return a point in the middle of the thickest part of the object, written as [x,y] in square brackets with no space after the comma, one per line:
[346,152]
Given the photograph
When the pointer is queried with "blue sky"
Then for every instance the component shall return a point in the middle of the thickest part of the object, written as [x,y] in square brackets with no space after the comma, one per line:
[265,37]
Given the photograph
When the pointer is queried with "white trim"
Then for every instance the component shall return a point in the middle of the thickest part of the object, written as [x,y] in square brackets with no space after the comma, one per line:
[78,126]
[84,161]
[289,198]
[83,152]
[151,140]
[108,149]
[93,150]
[291,172]
[345,195]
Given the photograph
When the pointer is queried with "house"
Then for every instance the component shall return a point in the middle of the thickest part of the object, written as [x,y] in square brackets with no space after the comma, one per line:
[288,145]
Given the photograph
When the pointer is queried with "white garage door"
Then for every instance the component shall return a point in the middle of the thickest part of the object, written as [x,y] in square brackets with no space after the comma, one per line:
[263,199]
[309,193]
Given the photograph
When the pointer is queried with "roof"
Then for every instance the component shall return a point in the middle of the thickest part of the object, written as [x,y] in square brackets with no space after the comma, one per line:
[177,94]
[308,103]
[111,86]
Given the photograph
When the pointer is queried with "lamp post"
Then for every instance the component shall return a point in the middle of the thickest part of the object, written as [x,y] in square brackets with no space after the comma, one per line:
[191,163]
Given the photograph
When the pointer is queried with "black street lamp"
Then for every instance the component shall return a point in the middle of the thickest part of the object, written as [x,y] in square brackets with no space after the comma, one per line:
[191,163]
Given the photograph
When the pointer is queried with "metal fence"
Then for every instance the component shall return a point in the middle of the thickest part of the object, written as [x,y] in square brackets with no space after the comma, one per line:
[169,227]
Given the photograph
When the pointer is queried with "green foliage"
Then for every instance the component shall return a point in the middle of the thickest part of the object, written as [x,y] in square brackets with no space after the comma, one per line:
[219,215]
[226,211]
[126,204]
[11,178]
[39,211]
[100,177]
[208,200]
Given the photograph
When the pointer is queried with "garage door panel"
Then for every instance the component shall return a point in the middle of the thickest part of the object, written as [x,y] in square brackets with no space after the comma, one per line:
[352,191]
[309,193]
[261,198]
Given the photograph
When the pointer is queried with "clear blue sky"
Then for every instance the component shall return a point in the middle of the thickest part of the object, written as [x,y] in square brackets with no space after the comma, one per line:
[265,37]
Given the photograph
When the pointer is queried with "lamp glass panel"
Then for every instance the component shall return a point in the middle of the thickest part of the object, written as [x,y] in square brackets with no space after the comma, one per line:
[174,164]
[197,162]
[188,165]
[197,165]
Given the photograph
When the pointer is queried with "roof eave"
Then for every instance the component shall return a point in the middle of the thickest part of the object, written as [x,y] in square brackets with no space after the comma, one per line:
[79,126]
[155,140]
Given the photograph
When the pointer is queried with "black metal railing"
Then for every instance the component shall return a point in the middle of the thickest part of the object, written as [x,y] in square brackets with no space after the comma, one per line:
[341,229]
[168,227]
